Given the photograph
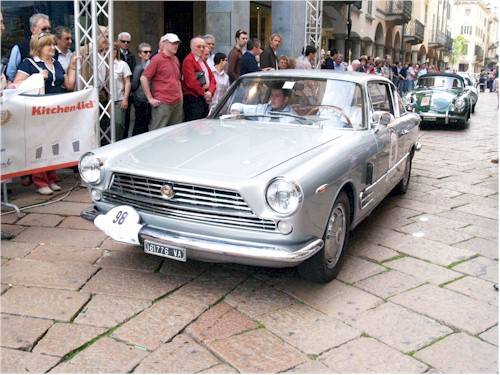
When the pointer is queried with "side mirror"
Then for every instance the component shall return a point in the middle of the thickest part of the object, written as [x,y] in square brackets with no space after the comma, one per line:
[382,118]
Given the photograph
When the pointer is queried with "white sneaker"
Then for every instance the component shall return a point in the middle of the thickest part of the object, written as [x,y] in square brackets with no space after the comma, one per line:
[45,190]
[55,187]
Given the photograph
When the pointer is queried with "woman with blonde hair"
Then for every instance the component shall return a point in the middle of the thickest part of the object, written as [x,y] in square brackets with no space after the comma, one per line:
[42,50]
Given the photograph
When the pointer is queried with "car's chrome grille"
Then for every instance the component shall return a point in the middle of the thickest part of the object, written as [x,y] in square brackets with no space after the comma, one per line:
[190,202]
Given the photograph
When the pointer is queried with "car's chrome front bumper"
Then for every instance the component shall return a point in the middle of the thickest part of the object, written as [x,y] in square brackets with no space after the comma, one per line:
[224,250]
[441,118]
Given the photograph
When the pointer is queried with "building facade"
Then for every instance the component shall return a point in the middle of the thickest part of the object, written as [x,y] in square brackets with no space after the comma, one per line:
[479,26]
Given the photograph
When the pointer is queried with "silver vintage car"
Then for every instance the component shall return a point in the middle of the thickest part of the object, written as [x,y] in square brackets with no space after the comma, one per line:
[287,164]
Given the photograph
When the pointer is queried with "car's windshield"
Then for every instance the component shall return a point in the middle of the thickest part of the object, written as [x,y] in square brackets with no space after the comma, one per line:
[443,82]
[295,100]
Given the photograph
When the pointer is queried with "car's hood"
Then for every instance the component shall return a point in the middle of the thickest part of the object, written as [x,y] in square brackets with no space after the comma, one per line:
[236,148]
[437,100]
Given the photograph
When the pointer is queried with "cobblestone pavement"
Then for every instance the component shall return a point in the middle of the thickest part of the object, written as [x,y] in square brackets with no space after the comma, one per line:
[415,294]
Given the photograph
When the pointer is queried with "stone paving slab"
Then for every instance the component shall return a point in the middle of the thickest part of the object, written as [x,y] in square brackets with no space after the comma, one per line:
[439,221]
[135,284]
[476,288]
[181,355]
[219,369]
[80,195]
[481,246]
[335,298]
[30,272]
[482,233]
[67,254]
[355,269]
[109,311]
[20,332]
[367,355]
[219,322]
[14,230]
[399,327]
[491,335]
[255,298]
[191,269]
[61,208]
[481,267]
[461,353]
[104,356]
[430,231]
[257,352]
[158,323]
[21,362]
[62,338]
[423,270]
[40,220]
[308,330]
[133,259]
[75,222]
[11,249]
[452,308]
[372,251]
[387,284]
[61,236]
[488,212]
[310,367]
[55,304]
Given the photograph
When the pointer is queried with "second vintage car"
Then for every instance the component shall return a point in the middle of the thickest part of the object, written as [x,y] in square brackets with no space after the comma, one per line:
[441,99]
[286,166]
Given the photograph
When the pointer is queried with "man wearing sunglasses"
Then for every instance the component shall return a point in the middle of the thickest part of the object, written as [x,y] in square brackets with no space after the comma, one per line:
[141,104]
[39,22]
[124,40]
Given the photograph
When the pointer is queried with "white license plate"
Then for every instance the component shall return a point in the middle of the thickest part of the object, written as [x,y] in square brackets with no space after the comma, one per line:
[171,252]
[426,100]
[429,119]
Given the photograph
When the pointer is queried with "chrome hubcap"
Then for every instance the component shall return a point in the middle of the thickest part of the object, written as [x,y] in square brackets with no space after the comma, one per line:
[335,235]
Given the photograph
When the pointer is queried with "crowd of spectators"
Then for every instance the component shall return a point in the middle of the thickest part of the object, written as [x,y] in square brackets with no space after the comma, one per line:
[165,91]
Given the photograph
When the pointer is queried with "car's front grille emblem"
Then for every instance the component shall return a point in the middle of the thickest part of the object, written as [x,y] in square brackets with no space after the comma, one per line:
[167,191]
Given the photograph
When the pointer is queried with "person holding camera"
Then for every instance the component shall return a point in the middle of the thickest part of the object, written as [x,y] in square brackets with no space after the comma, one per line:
[198,83]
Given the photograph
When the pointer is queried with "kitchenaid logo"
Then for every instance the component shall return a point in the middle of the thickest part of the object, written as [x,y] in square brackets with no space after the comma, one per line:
[52,110]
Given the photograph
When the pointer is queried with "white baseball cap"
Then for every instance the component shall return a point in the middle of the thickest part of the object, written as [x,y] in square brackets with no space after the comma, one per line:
[171,38]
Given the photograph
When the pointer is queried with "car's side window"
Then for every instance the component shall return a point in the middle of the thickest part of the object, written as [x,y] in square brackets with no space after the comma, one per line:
[401,105]
[380,97]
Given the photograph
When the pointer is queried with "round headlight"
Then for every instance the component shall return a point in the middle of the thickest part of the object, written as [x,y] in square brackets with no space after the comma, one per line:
[283,196]
[460,104]
[90,168]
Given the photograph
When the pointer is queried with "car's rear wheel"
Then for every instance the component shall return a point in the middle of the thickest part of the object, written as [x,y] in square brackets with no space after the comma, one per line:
[402,186]
[326,263]
[473,108]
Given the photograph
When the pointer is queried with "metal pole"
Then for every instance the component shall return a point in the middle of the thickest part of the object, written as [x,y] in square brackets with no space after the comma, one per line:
[347,41]
[111,71]
[76,10]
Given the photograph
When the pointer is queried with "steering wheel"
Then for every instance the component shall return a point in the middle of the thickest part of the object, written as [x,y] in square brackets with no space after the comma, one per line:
[338,110]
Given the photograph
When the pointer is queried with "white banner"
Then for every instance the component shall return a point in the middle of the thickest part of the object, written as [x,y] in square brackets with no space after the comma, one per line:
[41,133]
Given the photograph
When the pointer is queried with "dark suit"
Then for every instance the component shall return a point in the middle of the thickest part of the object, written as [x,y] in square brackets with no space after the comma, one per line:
[248,64]
[268,59]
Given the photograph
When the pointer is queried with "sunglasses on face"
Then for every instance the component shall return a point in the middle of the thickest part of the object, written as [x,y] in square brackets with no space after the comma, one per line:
[46,29]
[125,41]
[146,51]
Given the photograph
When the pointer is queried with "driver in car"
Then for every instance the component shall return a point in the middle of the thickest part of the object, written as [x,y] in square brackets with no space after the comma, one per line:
[278,102]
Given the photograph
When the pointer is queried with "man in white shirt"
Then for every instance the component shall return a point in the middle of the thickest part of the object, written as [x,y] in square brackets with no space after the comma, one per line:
[221,77]
[308,59]
[64,40]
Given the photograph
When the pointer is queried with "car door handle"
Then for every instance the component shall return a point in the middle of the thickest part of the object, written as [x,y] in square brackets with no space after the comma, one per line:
[404,131]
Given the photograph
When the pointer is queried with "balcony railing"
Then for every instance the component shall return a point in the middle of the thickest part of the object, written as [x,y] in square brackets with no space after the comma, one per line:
[414,32]
[437,39]
[397,11]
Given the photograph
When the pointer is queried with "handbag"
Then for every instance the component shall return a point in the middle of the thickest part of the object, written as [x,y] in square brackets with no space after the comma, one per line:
[201,78]
[40,91]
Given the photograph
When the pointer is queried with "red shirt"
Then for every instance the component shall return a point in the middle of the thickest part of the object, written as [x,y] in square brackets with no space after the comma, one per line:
[190,85]
[165,76]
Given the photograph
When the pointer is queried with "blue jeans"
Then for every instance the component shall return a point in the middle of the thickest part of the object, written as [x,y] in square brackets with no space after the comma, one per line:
[410,83]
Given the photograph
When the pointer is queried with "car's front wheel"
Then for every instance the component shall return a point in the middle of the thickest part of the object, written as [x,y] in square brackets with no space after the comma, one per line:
[402,186]
[473,108]
[326,263]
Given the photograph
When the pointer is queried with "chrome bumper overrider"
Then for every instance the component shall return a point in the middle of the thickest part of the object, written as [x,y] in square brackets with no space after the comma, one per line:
[224,250]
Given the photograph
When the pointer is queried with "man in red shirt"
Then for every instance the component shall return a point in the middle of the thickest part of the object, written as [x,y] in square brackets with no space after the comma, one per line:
[164,75]
[198,83]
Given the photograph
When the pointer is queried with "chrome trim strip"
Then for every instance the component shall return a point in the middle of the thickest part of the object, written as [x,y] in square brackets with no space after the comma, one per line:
[211,248]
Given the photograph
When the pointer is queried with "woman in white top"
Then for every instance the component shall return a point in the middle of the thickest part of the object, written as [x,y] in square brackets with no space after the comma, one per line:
[122,75]
[221,77]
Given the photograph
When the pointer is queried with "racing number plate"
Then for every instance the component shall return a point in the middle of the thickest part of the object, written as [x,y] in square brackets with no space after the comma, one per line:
[171,252]
[426,100]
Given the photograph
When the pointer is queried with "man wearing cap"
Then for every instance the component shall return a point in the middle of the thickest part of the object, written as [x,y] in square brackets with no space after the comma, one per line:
[164,75]
[198,83]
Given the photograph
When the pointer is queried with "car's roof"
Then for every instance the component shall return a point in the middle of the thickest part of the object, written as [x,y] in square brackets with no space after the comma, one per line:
[320,73]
